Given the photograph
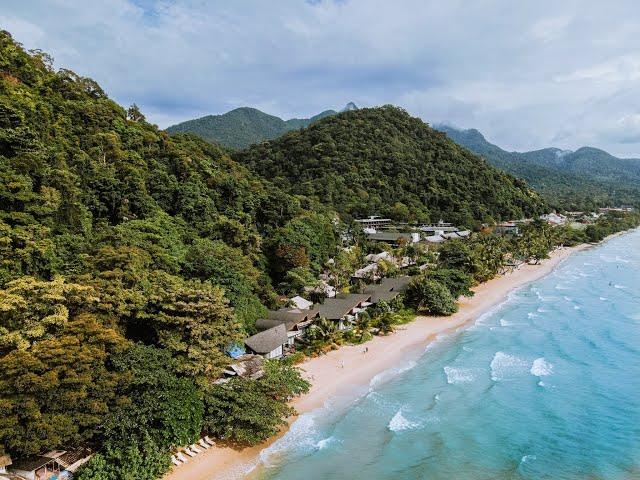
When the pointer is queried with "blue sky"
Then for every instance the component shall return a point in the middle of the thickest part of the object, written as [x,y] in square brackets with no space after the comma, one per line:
[527,74]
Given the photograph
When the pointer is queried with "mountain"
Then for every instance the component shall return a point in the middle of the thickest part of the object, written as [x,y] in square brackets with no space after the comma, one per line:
[245,126]
[584,179]
[383,161]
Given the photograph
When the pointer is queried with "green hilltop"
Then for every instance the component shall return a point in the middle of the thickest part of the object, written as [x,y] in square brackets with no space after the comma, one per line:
[383,161]
[245,126]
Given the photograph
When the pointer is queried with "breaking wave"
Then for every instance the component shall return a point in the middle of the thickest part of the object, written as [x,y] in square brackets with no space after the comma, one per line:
[399,423]
[504,365]
[541,367]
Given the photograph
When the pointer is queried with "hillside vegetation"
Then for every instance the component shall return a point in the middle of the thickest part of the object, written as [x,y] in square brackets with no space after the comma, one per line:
[383,161]
[584,179]
[243,126]
[129,262]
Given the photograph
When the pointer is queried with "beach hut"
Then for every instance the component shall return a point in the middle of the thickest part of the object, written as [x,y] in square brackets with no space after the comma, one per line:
[269,343]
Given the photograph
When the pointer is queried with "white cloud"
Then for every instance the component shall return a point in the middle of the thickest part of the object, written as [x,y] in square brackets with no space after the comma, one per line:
[526,74]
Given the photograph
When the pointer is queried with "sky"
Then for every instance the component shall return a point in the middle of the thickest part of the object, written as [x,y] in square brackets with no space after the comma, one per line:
[528,75]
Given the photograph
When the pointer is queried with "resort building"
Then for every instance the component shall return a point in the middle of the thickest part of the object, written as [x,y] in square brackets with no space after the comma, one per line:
[295,321]
[394,238]
[301,303]
[438,228]
[511,228]
[374,222]
[246,366]
[269,343]
[344,309]
[56,464]
[387,289]
[554,219]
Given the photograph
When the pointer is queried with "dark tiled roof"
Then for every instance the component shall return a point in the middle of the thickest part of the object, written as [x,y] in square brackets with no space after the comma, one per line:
[388,236]
[388,288]
[268,340]
[289,316]
[336,308]
[29,464]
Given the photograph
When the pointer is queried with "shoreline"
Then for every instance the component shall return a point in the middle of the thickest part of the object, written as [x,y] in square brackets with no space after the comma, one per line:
[343,371]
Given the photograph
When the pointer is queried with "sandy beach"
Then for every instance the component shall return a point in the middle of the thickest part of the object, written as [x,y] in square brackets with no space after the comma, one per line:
[343,371]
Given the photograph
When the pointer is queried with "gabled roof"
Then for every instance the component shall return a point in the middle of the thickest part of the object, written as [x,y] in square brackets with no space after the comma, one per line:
[336,308]
[388,236]
[388,288]
[268,340]
[288,316]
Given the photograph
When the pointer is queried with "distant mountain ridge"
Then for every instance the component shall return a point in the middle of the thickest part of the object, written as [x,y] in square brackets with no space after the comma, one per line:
[583,178]
[245,126]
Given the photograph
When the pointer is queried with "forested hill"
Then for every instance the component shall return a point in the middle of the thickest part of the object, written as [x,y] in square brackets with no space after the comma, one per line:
[245,126]
[583,179]
[383,161]
[113,233]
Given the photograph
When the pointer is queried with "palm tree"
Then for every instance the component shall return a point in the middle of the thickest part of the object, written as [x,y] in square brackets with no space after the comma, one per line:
[321,334]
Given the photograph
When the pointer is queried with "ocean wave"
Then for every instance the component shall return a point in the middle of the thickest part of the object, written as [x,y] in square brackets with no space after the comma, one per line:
[568,299]
[325,442]
[459,375]
[542,310]
[541,367]
[390,373]
[300,437]
[621,287]
[604,299]
[399,423]
[504,365]
[532,315]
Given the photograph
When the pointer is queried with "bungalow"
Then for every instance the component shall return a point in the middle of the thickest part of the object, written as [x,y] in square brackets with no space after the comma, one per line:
[344,309]
[268,343]
[387,289]
[454,235]
[295,321]
[554,219]
[246,366]
[374,222]
[57,463]
[510,228]
[438,228]
[301,303]
[394,238]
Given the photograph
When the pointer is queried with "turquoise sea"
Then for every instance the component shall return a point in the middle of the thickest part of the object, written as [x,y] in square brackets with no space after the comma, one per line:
[545,386]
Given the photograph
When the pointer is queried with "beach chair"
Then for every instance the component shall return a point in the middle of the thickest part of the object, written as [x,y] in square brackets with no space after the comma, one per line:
[194,447]
[175,461]
[180,456]
[209,441]
[203,444]
[190,452]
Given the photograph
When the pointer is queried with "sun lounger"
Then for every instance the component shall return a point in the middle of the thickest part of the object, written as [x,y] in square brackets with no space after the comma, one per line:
[175,461]
[197,449]
[190,452]
[209,441]
[180,456]
[203,444]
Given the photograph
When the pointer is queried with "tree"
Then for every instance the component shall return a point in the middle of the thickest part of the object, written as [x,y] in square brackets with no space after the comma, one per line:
[153,400]
[56,391]
[320,335]
[193,321]
[245,412]
[457,282]
[430,296]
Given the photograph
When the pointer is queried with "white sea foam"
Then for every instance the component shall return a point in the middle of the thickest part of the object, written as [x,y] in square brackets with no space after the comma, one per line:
[604,299]
[325,442]
[541,367]
[300,436]
[527,458]
[390,373]
[620,286]
[399,423]
[576,307]
[568,299]
[459,375]
[542,310]
[532,315]
[504,365]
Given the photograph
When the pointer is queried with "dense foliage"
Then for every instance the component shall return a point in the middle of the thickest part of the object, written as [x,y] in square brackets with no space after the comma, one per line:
[580,180]
[129,262]
[383,161]
[245,412]
[243,126]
